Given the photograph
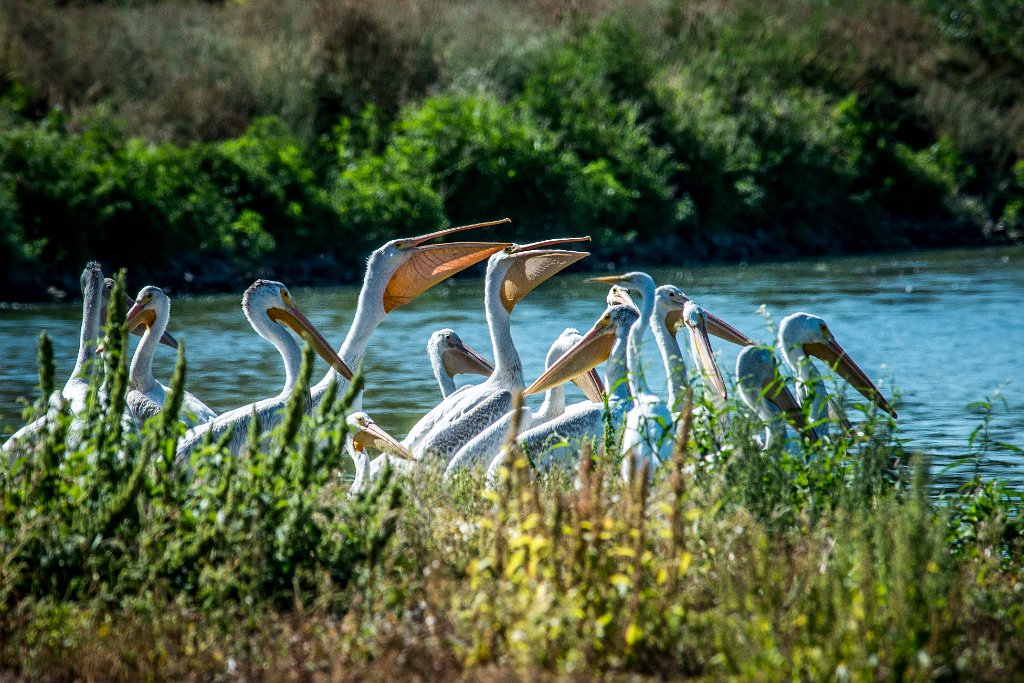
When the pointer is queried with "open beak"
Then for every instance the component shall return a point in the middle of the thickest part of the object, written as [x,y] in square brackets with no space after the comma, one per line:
[533,264]
[584,356]
[297,320]
[429,264]
[372,436]
[709,366]
[460,359]
[591,385]
[837,358]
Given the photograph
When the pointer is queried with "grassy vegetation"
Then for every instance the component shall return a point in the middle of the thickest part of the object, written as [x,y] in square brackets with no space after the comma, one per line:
[738,563]
[258,137]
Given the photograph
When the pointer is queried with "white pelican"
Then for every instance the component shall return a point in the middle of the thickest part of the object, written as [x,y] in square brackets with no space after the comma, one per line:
[450,356]
[668,320]
[802,335]
[73,395]
[364,433]
[269,307]
[152,309]
[558,442]
[697,321]
[395,274]
[511,274]
[763,389]
[108,286]
[76,389]
[483,447]
[647,440]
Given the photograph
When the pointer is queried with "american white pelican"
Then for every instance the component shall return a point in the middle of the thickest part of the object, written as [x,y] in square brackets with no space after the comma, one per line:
[74,393]
[269,307]
[364,433]
[647,440]
[802,335]
[482,448]
[152,309]
[108,287]
[557,443]
[696,320]
[395,274]
[763,389]
[450,356]
[511,274]
[669,303]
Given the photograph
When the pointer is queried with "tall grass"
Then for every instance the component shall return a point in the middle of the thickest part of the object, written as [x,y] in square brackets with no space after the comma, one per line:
[837,563]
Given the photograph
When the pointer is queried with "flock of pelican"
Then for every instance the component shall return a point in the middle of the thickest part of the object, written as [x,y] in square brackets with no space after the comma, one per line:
[473,427]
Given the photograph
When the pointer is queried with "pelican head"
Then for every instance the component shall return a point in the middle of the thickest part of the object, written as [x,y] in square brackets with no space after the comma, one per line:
[522,267]
[811,336]
[696,320]
[590,351]
[757,376]
[669,302]
[91,280]
[409,266]
[365,433]
[108,287]
[274,302]
[150,304]
[618,295]
[589,382]
[457,357]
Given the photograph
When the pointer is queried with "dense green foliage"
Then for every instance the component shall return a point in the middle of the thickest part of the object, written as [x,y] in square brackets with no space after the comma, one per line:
[222,149]
[117,563]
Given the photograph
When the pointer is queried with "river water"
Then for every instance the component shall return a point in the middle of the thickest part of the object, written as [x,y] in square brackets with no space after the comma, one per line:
[942,329]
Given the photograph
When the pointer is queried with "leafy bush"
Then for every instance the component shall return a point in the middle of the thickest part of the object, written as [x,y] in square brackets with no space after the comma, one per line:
[834,561]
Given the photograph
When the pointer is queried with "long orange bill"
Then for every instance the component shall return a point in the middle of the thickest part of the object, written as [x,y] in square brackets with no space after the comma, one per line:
[462,360]
[779,394]
[545,244]
[604,280]
[589,352]
[591,385]
[300,324]
[431,264]
[417,241]
[166,339]
[372,436]
[709,366]
[139,316]
[532,267]
[724,330]
[833,354]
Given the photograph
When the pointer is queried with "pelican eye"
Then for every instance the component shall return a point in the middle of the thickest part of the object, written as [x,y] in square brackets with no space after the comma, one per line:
[286,297]
[824,330]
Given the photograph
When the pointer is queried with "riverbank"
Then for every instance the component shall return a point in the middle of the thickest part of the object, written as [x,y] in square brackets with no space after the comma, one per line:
[711,131]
